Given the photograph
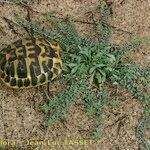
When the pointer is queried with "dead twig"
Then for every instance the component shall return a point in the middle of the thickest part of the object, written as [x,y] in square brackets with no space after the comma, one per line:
[11,25]
[2,31]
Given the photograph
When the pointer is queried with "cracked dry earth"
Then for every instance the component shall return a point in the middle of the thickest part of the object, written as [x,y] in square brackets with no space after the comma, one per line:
[20,117]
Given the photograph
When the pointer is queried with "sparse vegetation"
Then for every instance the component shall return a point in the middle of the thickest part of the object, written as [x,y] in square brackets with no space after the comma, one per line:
[143,128]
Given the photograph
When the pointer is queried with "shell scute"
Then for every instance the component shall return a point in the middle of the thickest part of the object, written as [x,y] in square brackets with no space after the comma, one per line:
[30,62]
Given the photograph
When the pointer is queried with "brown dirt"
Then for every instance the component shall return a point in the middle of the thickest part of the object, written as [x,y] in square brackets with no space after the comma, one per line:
[20,117]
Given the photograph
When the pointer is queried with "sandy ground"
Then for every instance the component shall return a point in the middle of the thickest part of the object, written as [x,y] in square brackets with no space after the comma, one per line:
[20,116]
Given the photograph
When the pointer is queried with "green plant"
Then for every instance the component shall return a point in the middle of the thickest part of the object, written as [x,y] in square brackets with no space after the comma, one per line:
[143,128]
[63,100]
[91,62]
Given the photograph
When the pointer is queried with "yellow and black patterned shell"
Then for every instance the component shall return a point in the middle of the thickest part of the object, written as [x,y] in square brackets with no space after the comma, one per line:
[30,62]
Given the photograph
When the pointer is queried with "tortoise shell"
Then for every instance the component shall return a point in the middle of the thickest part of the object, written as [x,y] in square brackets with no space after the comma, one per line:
[30,62]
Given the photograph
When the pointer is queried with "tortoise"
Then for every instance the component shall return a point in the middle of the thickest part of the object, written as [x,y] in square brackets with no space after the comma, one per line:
[30,62]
